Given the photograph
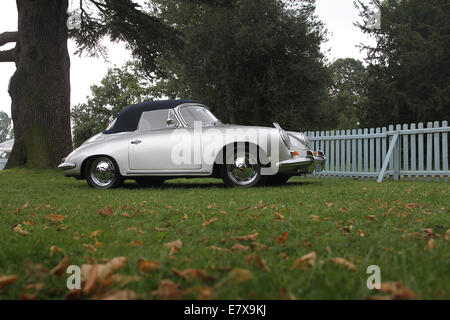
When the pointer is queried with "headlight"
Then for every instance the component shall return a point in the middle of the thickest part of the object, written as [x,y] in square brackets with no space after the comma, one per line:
[284,135]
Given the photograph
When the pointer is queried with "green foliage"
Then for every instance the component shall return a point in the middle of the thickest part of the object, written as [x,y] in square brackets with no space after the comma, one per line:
[121,87]
[252,62]
[347,93]
[409,67]
[123,20]
[5,127]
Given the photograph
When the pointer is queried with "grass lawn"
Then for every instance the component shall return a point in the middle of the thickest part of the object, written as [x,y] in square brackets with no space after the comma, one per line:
[403,227]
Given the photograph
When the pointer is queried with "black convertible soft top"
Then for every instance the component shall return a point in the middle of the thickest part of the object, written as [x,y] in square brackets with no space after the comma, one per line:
[128,118]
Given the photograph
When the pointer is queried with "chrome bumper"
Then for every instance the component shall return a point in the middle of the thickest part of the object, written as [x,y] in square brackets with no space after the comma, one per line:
[298,165]
[67,166]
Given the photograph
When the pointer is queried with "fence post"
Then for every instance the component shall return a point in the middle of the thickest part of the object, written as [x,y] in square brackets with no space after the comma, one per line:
[387,159]
[397,159]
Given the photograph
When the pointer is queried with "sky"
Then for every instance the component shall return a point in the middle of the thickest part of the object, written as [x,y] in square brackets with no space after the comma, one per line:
[338,16]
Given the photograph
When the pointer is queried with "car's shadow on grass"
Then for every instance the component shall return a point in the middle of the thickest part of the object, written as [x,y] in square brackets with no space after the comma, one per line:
[207,185]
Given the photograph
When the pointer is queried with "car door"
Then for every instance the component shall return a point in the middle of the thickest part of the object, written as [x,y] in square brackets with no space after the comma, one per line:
[153,148]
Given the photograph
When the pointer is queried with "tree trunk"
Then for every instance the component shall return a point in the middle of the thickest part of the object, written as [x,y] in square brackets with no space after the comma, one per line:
[40,87]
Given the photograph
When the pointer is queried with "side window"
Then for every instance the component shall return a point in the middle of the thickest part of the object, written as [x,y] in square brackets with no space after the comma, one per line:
[153,120]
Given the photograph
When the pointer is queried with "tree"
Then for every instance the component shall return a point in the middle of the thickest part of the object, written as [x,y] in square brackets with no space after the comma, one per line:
[40,88]
[252,61]
[5,126]
[347,93]
[409,69]
[121,87]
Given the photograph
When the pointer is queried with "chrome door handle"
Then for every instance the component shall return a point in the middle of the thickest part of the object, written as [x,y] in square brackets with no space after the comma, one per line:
[136,141]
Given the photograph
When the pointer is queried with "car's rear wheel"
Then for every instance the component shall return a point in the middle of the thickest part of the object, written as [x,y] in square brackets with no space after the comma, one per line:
[103,173]
[276,180]
[242,170]
[150,181]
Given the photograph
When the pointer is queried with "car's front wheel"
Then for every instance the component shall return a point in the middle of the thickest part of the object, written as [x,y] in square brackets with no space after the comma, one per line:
[242,170]
[103,173]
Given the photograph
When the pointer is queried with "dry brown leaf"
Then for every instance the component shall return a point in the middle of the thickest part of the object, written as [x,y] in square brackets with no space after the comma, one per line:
[55,249]
[136,243]
[55,217]
[95,233]
[209,222]
[239,275]
[212,206]
[107,211]
[220,249]
[193,274]
[120,295]
[146,266]
[161,229]
[362,234]
[306,262]
[174,246]
[431,244]
[286,294]
[7,280]
[258,260]
[283,238]
[61,267]
[201,292]
[25,205]
[100,274]
[315,218]
[343,262]
[279,216]
[397,291]
[18,228]
[167,290]
[251,237]
[239,247]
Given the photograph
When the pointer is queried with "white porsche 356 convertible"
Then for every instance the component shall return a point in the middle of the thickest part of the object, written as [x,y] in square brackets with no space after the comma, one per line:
[151,142]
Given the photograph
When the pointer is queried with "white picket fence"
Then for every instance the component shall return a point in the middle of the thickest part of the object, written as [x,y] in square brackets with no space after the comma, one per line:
[403,151]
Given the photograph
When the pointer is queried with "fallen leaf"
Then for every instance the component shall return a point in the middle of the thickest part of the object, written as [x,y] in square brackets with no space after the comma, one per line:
[258,260]
[397,291]
[251,237]
[212,206]
[279,216]
[120,295]
[146,266]
[220,249]
[315,218]
[362,234]
[61,267]
[107,211]
[239,247]
[306,262]
[55,249]
[55,217]
[161,229]
[345,263]
[193,274]
[18,228]
[25,205]
[100,275]
[431,244]
[209,222]
[174,246]
[167,290]
[136,243]
[239,275]
[95,233]
[286,294]
[7,280]
[283,237]
[201,292]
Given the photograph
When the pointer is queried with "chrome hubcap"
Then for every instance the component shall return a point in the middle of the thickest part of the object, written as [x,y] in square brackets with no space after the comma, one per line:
[243,170]
[102,172]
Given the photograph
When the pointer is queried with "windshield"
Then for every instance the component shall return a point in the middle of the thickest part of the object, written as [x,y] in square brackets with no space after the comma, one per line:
[111,124]
[191,114]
